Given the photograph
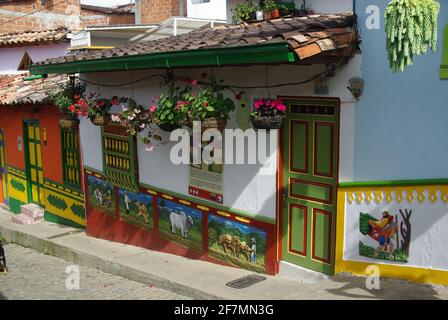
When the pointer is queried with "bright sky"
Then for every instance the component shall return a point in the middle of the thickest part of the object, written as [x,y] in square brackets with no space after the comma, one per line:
[106,3]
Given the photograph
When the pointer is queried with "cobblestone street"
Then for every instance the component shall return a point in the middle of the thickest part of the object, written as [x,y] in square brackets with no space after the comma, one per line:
[33,275]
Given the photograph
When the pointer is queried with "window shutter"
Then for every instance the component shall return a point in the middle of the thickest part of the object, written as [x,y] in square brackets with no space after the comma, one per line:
[444,66]
[120,158]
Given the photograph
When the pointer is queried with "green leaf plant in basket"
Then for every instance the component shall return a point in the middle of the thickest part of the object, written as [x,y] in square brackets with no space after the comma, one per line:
[133,116]
[208,104]
[168,110]
[98,108]
[69,99]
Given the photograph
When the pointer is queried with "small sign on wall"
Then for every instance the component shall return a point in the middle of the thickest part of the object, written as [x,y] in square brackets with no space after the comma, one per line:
[19,144]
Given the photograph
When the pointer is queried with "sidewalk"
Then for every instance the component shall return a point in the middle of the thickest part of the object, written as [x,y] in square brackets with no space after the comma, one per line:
[193,278]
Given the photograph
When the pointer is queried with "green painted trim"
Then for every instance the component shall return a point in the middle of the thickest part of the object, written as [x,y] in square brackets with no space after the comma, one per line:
[60,220]
[31,78]
[242,55]
[444,66]
[77,192]
[199,201]
[14,205]
[394,183]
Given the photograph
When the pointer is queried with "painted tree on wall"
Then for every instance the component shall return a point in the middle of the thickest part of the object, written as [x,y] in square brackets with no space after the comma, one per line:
[411,28]
[405,229]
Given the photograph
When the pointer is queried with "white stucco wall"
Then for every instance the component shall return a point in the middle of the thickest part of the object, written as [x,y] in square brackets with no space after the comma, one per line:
[10,57]
[245,188]
[213,9]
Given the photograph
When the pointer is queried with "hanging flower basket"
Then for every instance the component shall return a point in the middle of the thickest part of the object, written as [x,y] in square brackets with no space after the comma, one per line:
[101,120]
[267,123]
[168,127]
[219,123]
[69,124]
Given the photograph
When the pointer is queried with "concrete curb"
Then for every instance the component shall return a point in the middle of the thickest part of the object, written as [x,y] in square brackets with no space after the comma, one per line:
[49,247]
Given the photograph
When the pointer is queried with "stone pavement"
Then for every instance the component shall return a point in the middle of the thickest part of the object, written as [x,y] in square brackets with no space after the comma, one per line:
[33,275]
[193,278]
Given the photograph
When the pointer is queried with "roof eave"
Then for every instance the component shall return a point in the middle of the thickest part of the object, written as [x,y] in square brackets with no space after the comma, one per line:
[239,55]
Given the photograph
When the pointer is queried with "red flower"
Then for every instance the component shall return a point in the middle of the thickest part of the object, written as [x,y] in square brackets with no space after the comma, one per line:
[194,82]
[238,96]
[205,103]
[76,97]
[114,101]
[100,103]
[71,108]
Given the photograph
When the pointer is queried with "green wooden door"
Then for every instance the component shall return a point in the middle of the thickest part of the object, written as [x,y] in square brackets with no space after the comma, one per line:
[310,153]
[33,160]
[3,167]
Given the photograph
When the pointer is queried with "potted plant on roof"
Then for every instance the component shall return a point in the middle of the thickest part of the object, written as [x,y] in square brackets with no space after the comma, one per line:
[268,114]
[209,105]
[245,11]
[287,8]
[70,101]
[98,110]
[271,9]
[133,116]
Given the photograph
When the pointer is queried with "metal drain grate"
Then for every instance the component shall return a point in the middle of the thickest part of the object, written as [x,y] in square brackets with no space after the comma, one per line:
[246,281]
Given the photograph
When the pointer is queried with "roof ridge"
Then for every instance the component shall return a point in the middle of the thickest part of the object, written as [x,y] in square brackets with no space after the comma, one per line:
[61,28]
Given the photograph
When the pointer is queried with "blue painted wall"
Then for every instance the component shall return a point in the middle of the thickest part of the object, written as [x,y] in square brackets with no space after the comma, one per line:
[401,119]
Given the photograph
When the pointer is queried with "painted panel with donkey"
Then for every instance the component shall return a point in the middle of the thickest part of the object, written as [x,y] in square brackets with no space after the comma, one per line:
[237,243]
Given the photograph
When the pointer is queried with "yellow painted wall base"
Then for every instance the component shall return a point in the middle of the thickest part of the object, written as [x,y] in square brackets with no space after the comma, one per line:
[419,275]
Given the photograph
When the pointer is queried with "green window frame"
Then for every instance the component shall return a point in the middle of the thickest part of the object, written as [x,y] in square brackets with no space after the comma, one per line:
[71,161]
[120,160]
[444,66]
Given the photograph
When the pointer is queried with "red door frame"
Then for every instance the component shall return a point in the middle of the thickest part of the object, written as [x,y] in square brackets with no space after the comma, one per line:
[279,198]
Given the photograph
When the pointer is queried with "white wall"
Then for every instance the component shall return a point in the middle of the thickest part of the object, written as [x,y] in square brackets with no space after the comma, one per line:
[10,57]
[213,9]
[244,187]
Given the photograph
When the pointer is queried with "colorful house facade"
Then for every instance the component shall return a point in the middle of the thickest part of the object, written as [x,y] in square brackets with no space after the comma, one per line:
[40,162]
[356,177]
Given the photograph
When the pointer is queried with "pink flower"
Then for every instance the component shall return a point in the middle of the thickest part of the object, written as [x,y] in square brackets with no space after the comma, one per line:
[180,103]
[281,107]
[115,118]
[258,104]
[71,108]
[153,108]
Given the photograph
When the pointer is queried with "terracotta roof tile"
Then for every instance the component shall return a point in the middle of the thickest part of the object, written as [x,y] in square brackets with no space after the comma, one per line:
[299,32]
[33,37]
[15,90]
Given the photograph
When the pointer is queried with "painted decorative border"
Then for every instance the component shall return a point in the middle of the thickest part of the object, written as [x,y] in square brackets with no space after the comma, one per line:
[244,216]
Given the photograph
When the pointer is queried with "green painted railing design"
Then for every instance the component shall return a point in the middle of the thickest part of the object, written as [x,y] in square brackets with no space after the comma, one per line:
[18,185]
[57,202]
[78,210]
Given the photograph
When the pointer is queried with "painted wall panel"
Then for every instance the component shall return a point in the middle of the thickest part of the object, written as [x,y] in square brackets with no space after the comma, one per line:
[426,225]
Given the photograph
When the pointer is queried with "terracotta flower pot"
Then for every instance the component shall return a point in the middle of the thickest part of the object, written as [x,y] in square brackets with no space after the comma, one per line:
[69,124]
[275,14]
[267,123]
